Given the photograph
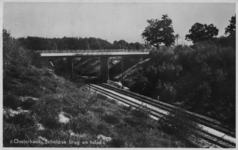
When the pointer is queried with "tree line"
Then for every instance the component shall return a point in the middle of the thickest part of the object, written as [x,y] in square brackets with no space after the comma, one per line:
[161,32]
[75,43]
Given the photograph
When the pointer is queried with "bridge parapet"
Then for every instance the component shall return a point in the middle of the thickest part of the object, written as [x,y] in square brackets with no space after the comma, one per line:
[94,51]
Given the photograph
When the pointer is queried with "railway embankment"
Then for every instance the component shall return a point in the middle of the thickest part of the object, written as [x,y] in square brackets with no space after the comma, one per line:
[42,109]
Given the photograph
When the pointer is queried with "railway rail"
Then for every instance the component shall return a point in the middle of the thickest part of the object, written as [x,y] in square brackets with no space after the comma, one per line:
[212,131]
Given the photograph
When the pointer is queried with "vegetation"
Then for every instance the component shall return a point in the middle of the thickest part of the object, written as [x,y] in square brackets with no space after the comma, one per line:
[231,29]
[42,109]
[159,31]
[75,43]
[199,78]
[202,32]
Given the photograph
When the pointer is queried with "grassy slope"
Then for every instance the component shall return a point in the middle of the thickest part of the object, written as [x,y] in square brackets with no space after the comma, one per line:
[45,95]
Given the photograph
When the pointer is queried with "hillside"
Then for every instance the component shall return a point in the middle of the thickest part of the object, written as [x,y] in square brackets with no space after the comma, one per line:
[42,109]
[59,113]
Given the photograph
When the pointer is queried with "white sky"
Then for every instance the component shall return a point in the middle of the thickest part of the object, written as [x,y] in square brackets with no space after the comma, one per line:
[109,20]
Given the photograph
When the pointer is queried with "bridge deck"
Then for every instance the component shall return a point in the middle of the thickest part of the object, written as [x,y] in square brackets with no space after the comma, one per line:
[92,53]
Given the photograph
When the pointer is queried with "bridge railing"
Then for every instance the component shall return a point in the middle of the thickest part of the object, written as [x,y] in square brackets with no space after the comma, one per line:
[94,51]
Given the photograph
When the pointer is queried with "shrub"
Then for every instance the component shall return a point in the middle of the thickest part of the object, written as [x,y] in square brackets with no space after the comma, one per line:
[11,132]
[81,125]
[48,110]
[102,128]
[89,101]
[10,100]
[131,121]
[28,90]
[110,118]
[117,142]
[71,110]
[22,119]
[98,110]
[167,92]
[14,54]
[50,84]
[27,104]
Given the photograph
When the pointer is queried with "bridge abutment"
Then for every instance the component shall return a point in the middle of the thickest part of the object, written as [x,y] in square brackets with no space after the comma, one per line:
[104,72]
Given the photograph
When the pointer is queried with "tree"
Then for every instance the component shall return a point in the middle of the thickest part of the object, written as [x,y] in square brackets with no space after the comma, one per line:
[202,32]
[231,29]
[177,37]
[159,31]
[8,45]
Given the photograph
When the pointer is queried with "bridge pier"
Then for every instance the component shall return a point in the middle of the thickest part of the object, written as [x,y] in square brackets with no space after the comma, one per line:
[70,68]
[122,70]
[104,72]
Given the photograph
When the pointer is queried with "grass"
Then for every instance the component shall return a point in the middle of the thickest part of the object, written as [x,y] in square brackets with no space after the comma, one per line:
[90,115]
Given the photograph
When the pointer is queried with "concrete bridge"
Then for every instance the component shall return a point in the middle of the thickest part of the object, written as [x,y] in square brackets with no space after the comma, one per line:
[103,54]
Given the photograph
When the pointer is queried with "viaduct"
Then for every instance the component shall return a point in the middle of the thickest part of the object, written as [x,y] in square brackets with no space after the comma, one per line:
[103,54]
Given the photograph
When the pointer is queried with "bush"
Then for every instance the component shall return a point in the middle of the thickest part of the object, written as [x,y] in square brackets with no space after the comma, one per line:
[11,132]
[10,100]
[168,92]
[22,119]
[98,110]
[81,125]
[117,142]
[27,104]
[14,53]
[109,118]
[48,110]
[131,121]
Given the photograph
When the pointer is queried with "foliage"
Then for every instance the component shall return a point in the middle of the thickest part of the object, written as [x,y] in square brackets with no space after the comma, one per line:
[177,37]
[34,98]
[199,78]
[99,116]
[159,31]
[226,41]
[111,119]
[202,32]
[180,124]
[230,30]
[74,43]
[11,101]
[14,54]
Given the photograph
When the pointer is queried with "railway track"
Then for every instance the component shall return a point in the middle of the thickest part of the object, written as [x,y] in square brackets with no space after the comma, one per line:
[220,136]
[168,107]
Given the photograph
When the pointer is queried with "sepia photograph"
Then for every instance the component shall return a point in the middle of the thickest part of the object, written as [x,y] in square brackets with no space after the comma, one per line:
[126,73]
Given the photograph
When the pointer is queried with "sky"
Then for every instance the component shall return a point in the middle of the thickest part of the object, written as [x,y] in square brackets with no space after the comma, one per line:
[110,20]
